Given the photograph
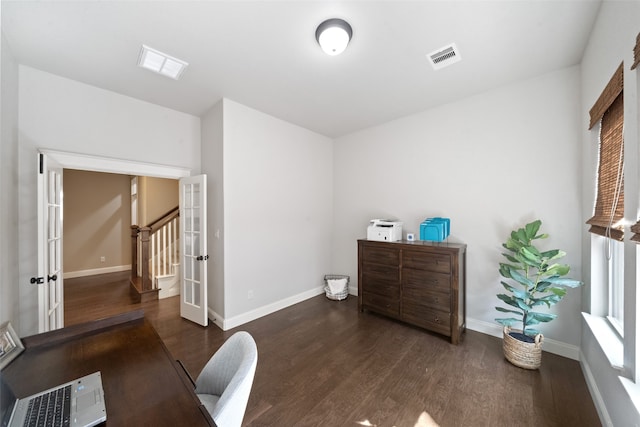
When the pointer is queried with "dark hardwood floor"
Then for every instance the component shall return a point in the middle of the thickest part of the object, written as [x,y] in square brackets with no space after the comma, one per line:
[322,363]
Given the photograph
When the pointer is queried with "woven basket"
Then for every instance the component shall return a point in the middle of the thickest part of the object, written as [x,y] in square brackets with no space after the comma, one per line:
[339,296]
[522,354]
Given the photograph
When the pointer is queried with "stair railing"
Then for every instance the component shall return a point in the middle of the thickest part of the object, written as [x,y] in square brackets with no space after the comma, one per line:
[154,249]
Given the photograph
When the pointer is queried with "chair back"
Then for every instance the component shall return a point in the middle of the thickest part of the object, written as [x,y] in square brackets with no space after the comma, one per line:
[229,374]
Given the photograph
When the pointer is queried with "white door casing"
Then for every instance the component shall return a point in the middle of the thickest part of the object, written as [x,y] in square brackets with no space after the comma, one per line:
[193,251]
[49,279]
[56,161]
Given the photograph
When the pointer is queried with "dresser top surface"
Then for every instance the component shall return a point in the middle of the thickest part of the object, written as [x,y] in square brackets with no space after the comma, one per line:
[419,244]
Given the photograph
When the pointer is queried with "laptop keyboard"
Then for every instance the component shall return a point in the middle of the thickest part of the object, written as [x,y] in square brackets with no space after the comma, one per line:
[50,409]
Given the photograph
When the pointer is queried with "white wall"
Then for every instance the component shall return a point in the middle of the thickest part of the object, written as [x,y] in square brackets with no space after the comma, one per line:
[611,42]
[60,114]
[212,149]
[277,211]
[9,284]
[491,162]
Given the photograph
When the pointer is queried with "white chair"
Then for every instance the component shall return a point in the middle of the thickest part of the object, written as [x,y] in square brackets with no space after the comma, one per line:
[225,382]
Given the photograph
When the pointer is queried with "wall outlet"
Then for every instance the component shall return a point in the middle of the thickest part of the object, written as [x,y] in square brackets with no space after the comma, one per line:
[102,259]
[250,295]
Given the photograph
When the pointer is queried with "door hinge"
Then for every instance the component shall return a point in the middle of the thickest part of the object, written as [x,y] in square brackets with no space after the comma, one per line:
[41,165]
[37,280]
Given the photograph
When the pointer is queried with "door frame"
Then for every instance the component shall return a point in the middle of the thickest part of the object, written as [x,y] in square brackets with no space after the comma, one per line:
[85,162]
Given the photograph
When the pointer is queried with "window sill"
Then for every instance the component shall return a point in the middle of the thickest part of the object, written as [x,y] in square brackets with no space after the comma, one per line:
[608,339]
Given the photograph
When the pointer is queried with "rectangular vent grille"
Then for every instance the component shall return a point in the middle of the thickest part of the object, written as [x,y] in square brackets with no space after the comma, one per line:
[444,56]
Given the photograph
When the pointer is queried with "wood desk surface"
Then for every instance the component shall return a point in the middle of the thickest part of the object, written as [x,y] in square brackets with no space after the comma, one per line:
[143,384]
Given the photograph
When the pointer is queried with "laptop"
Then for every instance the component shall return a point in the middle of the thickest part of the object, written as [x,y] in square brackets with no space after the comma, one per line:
[77,403]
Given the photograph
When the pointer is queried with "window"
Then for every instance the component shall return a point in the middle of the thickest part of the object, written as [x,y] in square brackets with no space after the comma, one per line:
[615,284]
[608,213]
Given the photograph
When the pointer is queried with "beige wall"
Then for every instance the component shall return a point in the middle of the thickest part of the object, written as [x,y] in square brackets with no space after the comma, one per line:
[156,197]
[97,220]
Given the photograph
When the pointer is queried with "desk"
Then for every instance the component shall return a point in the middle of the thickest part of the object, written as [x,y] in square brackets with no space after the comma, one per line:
[143,384]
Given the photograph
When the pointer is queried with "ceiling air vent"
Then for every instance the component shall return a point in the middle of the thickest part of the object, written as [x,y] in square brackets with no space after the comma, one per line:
[444,56]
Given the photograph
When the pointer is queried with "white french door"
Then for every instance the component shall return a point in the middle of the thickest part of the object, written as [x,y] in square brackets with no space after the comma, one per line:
[49,279]
[193,251]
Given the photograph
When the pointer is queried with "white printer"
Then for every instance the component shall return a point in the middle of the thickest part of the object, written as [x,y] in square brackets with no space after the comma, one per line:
[385,230]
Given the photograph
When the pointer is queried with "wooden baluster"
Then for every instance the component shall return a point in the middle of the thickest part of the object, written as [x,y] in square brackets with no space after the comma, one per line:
[154,258]
[144,240]
[134,252]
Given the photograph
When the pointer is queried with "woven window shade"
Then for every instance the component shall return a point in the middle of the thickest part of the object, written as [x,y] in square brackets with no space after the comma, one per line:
[635,229]
[609,208]
[636,53]
[609,94]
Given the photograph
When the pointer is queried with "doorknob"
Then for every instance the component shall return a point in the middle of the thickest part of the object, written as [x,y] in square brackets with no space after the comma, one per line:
[37,280]
[50,278]
[202,258]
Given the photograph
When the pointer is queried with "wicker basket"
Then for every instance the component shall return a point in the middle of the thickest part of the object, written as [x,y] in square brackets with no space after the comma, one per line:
[522,354]
[336,296]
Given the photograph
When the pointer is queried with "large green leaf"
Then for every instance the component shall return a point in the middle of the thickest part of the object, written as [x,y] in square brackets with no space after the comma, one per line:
[553,254]
[516,292]
[535,263]
[557,269]
[531,332]
[558,292]
[510,257]
[520,235]
[523,280]
[532,228]
[505,270]
[548,300]
[542,285]
[538,317]
[509,321]
[559,281]
[522,305]
[509,300]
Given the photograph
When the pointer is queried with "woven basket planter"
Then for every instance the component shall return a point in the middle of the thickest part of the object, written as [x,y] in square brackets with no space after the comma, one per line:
[522,354]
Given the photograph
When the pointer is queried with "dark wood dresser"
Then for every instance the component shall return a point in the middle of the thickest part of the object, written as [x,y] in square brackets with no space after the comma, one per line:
[421,283]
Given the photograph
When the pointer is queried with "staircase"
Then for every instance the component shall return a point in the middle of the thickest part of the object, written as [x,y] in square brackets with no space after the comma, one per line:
[155,260]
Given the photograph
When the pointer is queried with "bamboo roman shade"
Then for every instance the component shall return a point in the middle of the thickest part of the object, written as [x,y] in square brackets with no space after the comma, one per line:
[635,229]
[609,206]
[608,95]
[636,53]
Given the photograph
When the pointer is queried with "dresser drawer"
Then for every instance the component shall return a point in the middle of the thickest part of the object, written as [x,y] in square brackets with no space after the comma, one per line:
[380,286]
[430,298]
[428,318]
[384,272]
[426,279]
[381,304]
[381,255]
[426,261]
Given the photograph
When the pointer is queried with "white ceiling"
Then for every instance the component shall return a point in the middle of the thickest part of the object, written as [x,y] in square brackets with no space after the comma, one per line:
[263,54]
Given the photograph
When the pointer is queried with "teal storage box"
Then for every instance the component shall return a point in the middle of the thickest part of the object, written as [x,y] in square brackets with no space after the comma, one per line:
[435,229]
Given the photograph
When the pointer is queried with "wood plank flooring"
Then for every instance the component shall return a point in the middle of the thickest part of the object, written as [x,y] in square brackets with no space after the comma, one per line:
[322,363]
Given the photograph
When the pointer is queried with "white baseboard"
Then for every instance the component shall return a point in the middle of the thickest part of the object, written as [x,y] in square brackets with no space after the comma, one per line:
[552,346]
[598,401]
[233,322]
[94,271]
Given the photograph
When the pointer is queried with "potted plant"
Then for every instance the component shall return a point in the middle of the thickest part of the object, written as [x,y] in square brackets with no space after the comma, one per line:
[534,279]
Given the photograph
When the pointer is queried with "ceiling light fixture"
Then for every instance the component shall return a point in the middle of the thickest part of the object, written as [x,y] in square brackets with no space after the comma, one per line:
[333,36]
[161,63]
